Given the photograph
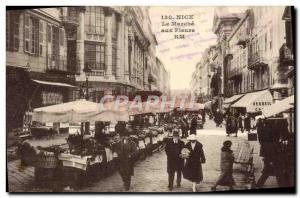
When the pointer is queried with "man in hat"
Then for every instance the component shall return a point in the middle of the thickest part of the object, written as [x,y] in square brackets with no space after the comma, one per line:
[174,162]
[125,149]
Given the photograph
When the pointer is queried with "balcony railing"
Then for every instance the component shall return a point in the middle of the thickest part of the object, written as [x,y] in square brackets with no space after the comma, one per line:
[97,69]
[235,74]
[71,20]
[57,63]
[242,40]
[256,60]
[286,56]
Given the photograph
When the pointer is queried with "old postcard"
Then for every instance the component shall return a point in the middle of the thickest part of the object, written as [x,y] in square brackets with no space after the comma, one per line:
[150,99]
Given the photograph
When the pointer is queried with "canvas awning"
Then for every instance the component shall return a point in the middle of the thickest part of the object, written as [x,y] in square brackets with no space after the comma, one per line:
[232,99]
[278,107]
[53,83]
[78,111]
[255,101]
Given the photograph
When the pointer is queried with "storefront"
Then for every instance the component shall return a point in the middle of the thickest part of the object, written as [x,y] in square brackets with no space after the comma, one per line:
[254,102]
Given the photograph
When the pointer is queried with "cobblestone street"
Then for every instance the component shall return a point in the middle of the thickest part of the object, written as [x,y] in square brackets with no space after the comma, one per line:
[150,174]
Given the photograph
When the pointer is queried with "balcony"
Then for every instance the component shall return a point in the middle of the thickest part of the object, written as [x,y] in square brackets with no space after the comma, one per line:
[57,64]
[97,69]
[286,56]
[70,21]
[256,60]
[235,74]
[243,40]
[228,54]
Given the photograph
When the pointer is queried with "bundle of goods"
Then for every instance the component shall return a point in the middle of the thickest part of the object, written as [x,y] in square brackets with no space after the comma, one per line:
[185,153]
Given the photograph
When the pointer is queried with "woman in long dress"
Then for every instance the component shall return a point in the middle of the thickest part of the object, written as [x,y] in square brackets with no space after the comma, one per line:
[227,158]
[193,169]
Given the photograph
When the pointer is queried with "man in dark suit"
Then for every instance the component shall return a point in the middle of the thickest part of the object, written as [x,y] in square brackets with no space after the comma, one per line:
[175,162]
[125,149]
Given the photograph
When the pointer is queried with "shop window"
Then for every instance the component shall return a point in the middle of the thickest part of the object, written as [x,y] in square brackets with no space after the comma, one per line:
[94,20]
[12,31]
[94,56]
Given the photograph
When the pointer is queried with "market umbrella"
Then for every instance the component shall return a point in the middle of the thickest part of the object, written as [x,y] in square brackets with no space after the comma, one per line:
[77,111]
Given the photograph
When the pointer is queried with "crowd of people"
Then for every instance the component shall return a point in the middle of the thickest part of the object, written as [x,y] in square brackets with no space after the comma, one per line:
[234,122]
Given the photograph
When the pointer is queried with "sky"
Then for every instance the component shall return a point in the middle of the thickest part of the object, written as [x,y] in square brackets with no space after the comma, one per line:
[180,56]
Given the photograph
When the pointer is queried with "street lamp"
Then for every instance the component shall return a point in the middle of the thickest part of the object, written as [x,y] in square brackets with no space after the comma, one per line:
[87,72]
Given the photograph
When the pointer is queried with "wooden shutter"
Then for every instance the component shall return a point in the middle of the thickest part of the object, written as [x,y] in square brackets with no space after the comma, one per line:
[16,28]
[27,33]
[8,30]
[41,37]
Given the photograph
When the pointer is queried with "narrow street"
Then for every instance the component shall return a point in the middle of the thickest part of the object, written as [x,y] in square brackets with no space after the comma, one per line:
[150,174]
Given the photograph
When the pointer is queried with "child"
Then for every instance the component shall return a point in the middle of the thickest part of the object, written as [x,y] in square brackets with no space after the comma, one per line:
[227,159]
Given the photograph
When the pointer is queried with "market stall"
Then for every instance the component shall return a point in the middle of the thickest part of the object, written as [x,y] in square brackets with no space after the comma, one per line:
[73,159]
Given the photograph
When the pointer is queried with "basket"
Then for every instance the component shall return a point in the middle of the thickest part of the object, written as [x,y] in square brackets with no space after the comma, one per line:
[46,160]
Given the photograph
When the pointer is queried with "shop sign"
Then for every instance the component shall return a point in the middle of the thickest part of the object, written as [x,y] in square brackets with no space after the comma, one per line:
[258,106]
[51,98]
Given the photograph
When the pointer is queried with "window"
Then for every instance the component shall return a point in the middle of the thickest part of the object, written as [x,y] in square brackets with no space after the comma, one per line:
[94,56]
[114,60]
[61,36]
[31,35]
[34,29]
[266,42]
[49,33]
[94,20]
[12,31]
[41,37]
[55,40]
[114,28]
[271,38]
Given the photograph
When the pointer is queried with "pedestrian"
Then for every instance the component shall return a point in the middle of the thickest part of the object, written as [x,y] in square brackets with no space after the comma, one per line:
[126,149]
[227,159]
[228,125]
[203,116]
[235,125]
[241,123]
[193,129]
[184,126]
[247,123]
[174,161]
[193,167]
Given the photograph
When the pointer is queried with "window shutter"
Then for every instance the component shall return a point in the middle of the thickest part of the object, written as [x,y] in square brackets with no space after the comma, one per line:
[8,30]
[16,29]
[26,33]
[41,37]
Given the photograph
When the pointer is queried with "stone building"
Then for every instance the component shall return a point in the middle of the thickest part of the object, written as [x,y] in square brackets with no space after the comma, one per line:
[61,54]
[111,48]
[37,73]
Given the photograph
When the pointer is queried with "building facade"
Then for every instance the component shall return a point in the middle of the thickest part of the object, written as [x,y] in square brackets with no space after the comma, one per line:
[56,55]
[37,73]
[253,52]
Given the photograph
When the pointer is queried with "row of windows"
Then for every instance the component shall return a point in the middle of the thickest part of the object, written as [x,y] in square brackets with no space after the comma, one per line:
[34,34]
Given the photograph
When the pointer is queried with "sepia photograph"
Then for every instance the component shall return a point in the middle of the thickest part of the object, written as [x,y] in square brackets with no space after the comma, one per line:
[150,99]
